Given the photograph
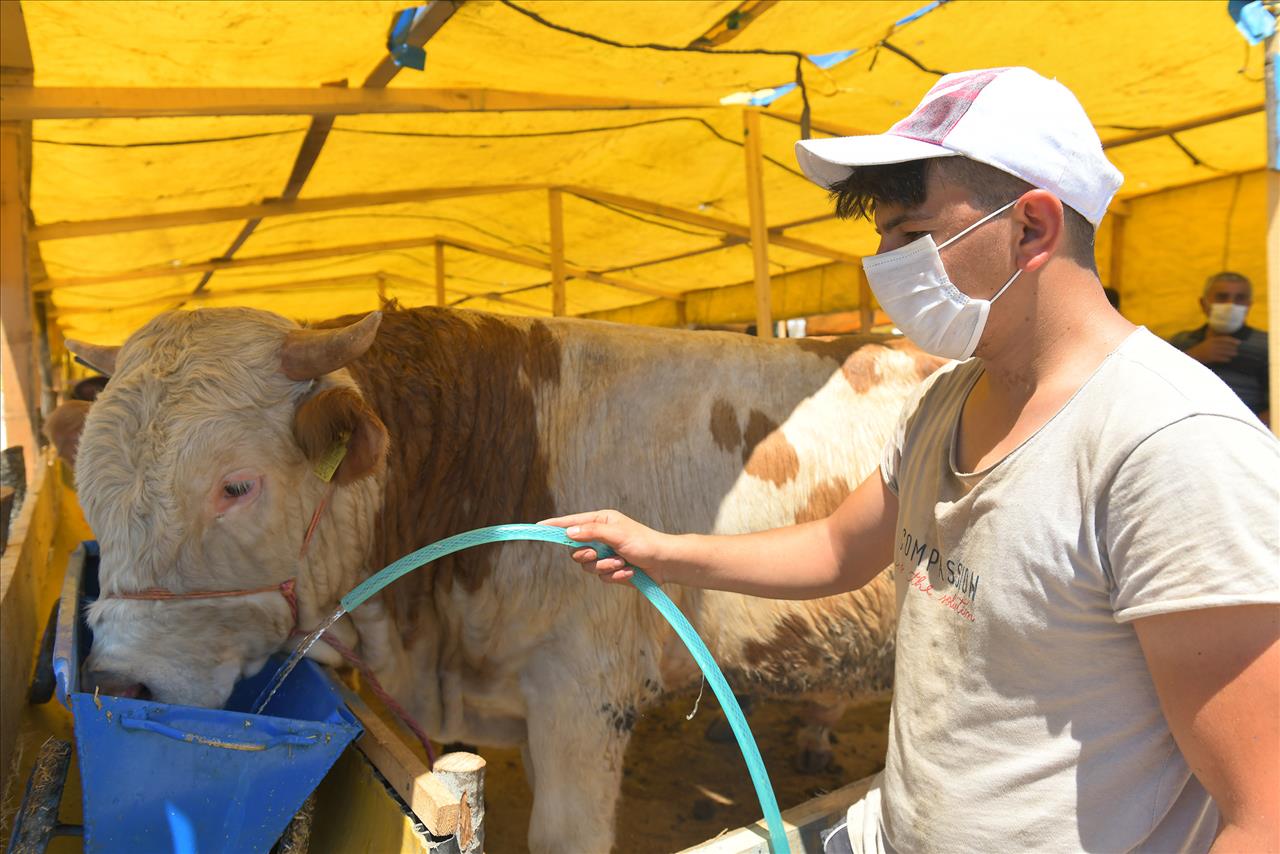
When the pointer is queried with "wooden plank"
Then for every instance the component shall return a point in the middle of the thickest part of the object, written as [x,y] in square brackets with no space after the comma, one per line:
[266,208]
[121,102]
[759,227]
[356,815]
[1192,124]
[437,807]
[428,22]
[571,270]
[441,299]
[713,223]
[804,825]
[555,218]
[22,571]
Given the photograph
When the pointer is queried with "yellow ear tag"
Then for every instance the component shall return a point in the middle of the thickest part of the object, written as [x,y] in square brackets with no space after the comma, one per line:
[328,464]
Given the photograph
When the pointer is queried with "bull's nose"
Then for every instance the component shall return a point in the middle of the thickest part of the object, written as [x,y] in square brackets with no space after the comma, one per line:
[116,686]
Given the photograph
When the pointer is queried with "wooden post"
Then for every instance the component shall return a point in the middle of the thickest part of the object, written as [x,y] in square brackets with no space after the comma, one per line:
[382,290]
[1117,250]
[17,342]
[555,211]
[463,774]
[759,228]
[866,311]
[440,297]
[1273,222]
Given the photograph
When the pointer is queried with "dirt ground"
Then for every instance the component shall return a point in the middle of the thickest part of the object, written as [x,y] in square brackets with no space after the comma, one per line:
[680,789]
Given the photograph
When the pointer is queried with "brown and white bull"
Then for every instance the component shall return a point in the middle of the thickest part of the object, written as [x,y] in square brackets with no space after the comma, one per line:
[196,473]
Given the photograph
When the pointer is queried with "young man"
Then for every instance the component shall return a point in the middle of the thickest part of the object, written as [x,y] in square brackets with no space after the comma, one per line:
[1081,521]
[1228,346]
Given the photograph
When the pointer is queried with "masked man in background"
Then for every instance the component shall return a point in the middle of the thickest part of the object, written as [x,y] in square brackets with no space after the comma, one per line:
[1228,346]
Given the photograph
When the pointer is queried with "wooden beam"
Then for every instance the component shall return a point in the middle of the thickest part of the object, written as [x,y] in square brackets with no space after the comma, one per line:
[711,222]
[263,209]
[1221,176]
[162,270]
[759,226]
[441,299]
[15,49]
[731,25]
[572,270]
[358,281]
[118,102]
[427,23]
[822,126]
[1192,124]
[555,212]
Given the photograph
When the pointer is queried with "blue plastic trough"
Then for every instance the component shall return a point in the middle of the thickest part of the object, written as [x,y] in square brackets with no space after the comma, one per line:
[162,778]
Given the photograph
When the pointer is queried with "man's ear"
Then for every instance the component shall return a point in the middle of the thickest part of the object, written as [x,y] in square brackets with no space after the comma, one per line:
[323,418]
[64,426]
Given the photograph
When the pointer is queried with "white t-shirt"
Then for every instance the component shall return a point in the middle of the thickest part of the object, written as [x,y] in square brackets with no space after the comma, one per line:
[1024,716]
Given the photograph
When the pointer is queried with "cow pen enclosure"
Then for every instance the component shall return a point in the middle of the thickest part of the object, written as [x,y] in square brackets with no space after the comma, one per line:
[629,163]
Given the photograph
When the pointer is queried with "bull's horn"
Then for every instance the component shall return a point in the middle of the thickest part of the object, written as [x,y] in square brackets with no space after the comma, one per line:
[311,353]
[101,359]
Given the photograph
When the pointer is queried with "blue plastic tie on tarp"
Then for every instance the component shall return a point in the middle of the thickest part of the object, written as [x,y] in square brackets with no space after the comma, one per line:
[830,60]
[656,597]
[918,13]
[773,95]
[1252,19]
[403,54]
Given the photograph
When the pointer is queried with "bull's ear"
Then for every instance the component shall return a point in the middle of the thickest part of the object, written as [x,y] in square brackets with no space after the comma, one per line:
[324,418]
[64,426]
[101,359]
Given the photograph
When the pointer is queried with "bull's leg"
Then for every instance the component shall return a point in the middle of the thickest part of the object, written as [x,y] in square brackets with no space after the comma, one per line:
[577,738]
[813,741]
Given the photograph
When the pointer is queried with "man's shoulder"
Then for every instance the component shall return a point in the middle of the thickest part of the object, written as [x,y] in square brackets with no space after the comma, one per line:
[1254,337]
[1187,338]
[1158,384]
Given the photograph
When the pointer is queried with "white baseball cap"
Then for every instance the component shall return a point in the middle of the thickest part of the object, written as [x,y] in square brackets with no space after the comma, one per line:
[1009,118]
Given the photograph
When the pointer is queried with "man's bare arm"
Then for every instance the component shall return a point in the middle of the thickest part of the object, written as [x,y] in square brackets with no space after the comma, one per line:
[1217,673]
[842,552]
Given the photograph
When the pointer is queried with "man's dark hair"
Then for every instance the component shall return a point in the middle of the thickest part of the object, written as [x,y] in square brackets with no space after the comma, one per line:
[1227,276]
[989,187]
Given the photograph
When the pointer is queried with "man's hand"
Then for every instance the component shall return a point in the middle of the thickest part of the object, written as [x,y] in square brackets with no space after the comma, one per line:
[1215,349]
[634,543]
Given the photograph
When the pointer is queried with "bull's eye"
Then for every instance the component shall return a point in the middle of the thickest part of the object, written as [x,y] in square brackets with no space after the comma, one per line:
[237,489]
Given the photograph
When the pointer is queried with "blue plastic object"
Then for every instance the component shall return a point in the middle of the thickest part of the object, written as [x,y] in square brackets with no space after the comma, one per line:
[652,592]
[162,778]
[403,54]
[1252,19]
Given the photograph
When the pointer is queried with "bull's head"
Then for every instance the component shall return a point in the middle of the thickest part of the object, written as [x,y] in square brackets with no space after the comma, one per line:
[195,470]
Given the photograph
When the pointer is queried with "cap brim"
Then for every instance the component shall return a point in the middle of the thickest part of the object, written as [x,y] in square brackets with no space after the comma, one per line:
[826,162]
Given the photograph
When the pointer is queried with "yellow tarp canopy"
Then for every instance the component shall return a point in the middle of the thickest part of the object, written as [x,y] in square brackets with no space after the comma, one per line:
[1192,203]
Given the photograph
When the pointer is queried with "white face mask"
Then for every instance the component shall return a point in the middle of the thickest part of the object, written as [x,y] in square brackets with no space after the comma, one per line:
[1226,317]
[913,289]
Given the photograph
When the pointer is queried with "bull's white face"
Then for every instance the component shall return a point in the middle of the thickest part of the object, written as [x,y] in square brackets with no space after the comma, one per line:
[192,480]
